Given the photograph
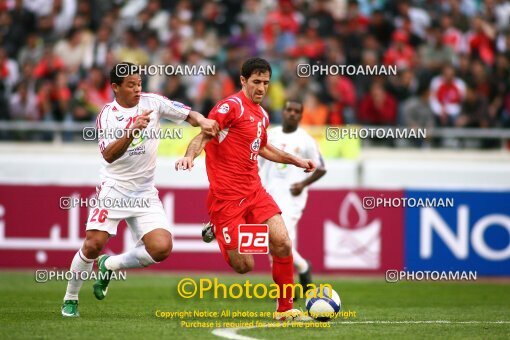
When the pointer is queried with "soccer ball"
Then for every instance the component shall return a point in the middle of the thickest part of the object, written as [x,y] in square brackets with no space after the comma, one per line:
[323,303]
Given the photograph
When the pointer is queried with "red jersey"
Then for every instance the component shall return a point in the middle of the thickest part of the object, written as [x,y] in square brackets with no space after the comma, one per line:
[231,157]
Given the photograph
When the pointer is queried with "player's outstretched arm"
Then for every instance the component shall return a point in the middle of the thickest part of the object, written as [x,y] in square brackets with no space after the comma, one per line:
[116,149]
[274,154]
[209,126]
[195,148]
[297,188]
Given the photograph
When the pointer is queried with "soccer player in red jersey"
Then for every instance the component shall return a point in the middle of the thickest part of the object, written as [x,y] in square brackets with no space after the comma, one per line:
[236,195]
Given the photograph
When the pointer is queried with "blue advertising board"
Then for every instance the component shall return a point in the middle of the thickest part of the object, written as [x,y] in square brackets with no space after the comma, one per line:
[472,234]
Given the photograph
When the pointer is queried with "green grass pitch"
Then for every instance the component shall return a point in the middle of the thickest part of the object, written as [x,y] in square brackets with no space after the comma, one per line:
[383,310]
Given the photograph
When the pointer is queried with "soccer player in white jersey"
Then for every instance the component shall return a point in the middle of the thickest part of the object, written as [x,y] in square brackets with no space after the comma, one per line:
[128,173]
[288,184]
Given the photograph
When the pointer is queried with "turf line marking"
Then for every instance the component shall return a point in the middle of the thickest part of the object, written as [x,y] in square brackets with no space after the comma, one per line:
[421,322]
[231,333]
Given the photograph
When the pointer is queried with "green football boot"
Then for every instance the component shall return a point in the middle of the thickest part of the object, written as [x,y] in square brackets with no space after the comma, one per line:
[101,285]
[70,309]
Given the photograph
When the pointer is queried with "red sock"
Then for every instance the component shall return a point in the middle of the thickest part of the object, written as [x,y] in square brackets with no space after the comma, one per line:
[283,273]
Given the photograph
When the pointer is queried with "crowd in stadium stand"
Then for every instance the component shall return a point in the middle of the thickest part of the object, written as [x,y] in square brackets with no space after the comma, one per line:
[453,56]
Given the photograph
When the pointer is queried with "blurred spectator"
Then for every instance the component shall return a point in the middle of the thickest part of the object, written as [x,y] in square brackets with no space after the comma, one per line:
[320,18]
[175,90]
[363,82]
[309,45]
[377,107]
[498,12]
[85,17]
[434,54]
[32,51]
[8,78]
[131,51]
[399,53]
[416,112]
[7,38]
[9,73]
[63,13]
[480,79]
[464,67]
[161,56]
[178,31]
[452,36]
[53,98]
[153,49]
[45,28]
[39,7]
[403,86]
[356,21]
[381,28]
[202,40]
[92,94]
[352,31]
[500,81]
[480,40]
[253,16]
[212,89]
[419,18]
[158,17]
[98,50]
[473,112]
[297,86]
[281,26]
[460,20]
[275,101]
[314,111]
[506,112]
[23,104]
[503,42]
[72,50]
[49,64]
[216,16]
[22,23]
[341,96]
[141,25]
[245,42]
[447,93]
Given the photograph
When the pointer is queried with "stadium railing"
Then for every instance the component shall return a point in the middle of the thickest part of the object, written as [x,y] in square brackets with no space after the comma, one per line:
[63,132]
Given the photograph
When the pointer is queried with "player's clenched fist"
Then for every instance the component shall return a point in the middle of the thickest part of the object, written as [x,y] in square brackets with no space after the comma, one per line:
[307,164]
[185,163]
[142,120]
[210,127]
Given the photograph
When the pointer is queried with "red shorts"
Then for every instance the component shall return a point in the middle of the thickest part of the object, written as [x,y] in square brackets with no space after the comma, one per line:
[226,216]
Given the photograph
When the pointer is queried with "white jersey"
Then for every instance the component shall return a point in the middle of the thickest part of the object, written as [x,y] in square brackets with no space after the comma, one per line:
[278,178]
[134,170]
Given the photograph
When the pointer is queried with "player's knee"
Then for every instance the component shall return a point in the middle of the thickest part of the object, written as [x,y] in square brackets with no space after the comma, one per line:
[161,249]
[244,266]
[92,247]
[282,247]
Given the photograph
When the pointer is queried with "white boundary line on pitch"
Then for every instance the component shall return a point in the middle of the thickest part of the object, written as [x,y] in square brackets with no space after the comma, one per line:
[231,333]
[424,322]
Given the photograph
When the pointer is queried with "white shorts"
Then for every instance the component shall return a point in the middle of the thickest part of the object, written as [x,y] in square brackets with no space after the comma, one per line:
[291,220]
[141,218]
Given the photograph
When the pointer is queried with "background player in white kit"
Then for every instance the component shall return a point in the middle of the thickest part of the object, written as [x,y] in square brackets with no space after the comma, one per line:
[128,172]
[288,185]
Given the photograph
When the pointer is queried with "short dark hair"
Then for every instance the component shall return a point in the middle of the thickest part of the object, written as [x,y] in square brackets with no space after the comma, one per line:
[122,70]
[255,65]
[294,100]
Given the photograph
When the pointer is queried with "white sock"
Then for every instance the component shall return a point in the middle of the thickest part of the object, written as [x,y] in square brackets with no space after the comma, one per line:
[135,258]
[299,262]
[80,264]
